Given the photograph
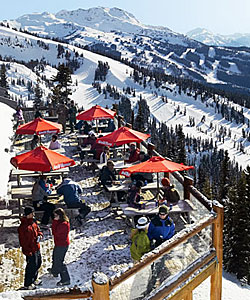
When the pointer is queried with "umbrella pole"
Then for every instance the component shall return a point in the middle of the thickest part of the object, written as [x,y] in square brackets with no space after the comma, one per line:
[158,187]
[96,126]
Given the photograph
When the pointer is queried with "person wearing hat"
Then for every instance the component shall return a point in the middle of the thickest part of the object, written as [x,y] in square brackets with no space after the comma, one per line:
[29,235]
[71,194]
[161,227]
[170,194]
[140,241]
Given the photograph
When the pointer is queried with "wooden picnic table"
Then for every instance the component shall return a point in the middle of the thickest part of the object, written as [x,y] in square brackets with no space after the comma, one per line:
[124,186]
[118,165]
[25,193]
[24,173]
[183,206]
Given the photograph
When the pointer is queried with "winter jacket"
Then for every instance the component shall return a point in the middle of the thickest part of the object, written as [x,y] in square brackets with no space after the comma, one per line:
[171,194]
[70,190]
[54,145]
[107,176]
[104,157]
[40,190]
[140,244]
[72,113]
[60,231]
[62,112]
[134,156]
[28,233]
[161,229]
[96,149]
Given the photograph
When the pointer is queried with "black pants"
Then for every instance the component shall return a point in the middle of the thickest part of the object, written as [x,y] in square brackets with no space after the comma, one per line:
[83,208]
[33,264]
[58,266]
[48,209]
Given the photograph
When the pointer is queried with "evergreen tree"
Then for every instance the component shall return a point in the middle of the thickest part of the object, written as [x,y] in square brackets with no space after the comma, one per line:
[3,77]
[224,178]
[38,95]
[63,77]
[181,151]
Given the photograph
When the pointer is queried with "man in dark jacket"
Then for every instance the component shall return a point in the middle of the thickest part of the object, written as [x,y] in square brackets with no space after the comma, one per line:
[107,175]
[161,227]
[29,236]
[71,192]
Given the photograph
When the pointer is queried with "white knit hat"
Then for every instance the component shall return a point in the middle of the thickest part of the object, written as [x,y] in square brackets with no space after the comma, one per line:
[142,223]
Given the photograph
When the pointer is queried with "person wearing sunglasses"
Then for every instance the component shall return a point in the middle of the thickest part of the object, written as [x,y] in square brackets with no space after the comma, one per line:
[161,227]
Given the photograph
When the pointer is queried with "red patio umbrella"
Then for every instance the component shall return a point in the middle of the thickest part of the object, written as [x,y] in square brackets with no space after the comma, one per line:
[96,112]
[155,164]
[41,159]
[39,126]
[121,136]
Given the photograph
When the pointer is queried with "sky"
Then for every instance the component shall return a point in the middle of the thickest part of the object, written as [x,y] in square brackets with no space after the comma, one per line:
[218,16]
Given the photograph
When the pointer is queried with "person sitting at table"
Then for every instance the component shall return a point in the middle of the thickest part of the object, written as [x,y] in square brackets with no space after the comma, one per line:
[90,140]
[86,127]
[71,192]
[96,149]
[35,142]
[133,154]
[170,194]
[140,241]
[145,177]
[104,156]
[107,174]
[54,144]
[111,126]
[143,156]
[134,195]
[40,192]
[161,227]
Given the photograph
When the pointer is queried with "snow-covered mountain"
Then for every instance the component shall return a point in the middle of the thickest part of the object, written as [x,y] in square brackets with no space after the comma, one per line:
[29,58]
[209,38]
[119,34]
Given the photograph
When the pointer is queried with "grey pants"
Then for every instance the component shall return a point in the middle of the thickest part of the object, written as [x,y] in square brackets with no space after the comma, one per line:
[58,266]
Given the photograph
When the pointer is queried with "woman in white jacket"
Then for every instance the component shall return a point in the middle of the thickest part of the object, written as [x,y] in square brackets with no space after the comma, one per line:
[104,157]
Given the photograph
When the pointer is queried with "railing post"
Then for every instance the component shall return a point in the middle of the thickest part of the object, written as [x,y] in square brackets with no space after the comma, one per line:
[187,182]
[100,283]
[216,278]
[189,296]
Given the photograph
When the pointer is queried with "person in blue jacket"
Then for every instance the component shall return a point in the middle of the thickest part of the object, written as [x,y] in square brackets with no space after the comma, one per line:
[71,192]
[161,227]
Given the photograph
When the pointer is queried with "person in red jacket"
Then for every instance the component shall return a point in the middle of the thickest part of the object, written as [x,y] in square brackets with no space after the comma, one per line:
[134,154]
[29,236]
[60,231]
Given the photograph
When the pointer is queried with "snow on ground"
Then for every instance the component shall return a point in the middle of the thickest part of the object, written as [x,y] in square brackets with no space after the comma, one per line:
[6,132]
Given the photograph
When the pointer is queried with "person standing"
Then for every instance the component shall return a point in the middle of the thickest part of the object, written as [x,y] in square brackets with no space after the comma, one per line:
[60,231]
[72,116]
[35,142]
[140,241]
[62,112]
[161,227]
[29,236]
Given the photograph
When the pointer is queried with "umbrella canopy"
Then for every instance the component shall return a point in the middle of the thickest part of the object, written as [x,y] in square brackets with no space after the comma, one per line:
[41,159]
[96,113]
[39,126]
[155,164]
[121,136]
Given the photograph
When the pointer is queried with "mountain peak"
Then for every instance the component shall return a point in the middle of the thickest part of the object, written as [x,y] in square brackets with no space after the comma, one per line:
[100,18]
